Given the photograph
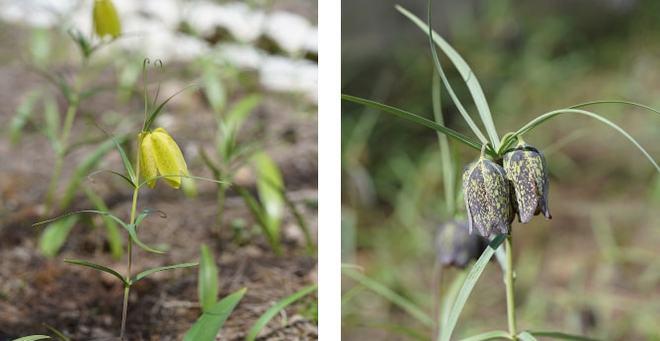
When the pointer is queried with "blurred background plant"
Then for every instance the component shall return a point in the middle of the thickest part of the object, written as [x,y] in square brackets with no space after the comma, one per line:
[530,57]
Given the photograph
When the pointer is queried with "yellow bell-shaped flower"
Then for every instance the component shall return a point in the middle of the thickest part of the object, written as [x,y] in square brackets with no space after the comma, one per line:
[160,155]
[106,20]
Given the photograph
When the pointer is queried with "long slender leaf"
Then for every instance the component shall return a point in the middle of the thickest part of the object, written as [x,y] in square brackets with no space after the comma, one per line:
[152,117]
[440,72]
[561,336]
[448,175]
[396,299]
[275,309]
[545,117]
[414,118]
[470,281]
[207,326]
[57,333]
[468,76]
[98,267]
[494,335]
[32,338]
[260,215]
[113,217]
[269,180]
[207,281]
[450,297]
[133,234]
[146,273]
[55,235]
[639,105]
[124,159]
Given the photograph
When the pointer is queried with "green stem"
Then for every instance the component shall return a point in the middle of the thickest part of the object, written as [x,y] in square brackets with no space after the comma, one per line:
[59,157]
[509,282]
[127,288]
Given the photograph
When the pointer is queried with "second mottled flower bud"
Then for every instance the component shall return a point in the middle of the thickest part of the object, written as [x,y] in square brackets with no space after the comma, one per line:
[487,198]
[525,167]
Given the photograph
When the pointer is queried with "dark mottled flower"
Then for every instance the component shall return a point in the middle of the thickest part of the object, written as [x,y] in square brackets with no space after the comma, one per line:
[487,195]
[455,246]
[526,168]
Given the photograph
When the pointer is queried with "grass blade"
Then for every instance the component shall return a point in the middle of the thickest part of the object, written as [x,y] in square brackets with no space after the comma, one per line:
[32,338]
[560,336]
[440,72]
[468,76]
[416,119]
[269,180]
[146,273]
[545,117]
[82,262]
[207,281]
[82,170]
[470,281]
[494,335]
[274,310]
[450,296]
[396,299]
[207,326]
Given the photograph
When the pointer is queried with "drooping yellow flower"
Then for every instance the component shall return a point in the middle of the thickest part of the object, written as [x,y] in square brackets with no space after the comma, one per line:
[160,155]
[106,20]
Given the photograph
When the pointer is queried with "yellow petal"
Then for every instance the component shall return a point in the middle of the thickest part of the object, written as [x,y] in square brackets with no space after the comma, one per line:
[106,20]
[169,159]
[148,168]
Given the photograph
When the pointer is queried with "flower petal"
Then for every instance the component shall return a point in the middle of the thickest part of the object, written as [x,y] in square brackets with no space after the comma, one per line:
[169,159]
[106,20]
[148,168]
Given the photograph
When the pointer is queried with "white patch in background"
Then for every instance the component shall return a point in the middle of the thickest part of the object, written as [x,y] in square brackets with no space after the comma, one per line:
[151,26]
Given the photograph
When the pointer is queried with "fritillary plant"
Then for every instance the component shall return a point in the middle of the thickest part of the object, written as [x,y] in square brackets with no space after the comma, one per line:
[158,158]
[508,178]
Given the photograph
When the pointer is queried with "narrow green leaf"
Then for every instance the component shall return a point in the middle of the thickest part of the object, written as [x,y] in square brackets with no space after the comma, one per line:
[146,273]
[416,119]
[57,333]
[242,110]
[561,336]
[133,234]
[207,281]
[275,309]
[82,262]
[22,116]
[145,213]
[269,181]
[396,299]
[494,335]
[470,281]
[113,217]
[32,338]
[152,117]
[82,170]
[448,175]
[440,72]
[112,230]
[639,105]
[468,76]
[213,87]
[545,117]
[124,159]
[55,235]
[207,326]
[260,215]
[526,336]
